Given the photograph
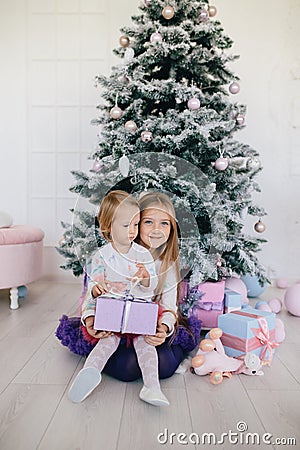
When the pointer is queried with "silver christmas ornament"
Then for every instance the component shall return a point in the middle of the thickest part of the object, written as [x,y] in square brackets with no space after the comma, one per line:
[221,163]
[147,136]
[97,166]
[212,11]
[116,113]
[129,54]
[240,119]
[124,79]
[203,16]
[259,227]
[131,126]
[147,3]
[156,37]
[234,88]
[168,12]
[193,104]
[124,41]
[124,165]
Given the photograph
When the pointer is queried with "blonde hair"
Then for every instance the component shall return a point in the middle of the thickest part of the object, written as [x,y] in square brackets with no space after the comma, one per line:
[168,252]
[108,207]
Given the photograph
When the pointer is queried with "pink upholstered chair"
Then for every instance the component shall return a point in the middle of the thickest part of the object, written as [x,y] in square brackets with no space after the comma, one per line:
[21,252]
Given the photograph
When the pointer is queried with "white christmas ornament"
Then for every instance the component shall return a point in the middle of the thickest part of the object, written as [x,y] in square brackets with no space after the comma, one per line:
[116,113]
[221,164]
[193,104]
[131,126]
[6,220]
[124,165]
[234,88]
[156,37]
[129,54]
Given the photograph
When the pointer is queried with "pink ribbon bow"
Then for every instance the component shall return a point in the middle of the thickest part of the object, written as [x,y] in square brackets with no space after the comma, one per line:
[263,335]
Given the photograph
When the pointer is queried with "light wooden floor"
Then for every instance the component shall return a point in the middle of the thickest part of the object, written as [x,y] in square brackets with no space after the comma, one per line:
[36,371]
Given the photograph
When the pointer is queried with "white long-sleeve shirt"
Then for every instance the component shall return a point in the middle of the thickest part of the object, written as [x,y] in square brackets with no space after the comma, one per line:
[115,268]
[169,296]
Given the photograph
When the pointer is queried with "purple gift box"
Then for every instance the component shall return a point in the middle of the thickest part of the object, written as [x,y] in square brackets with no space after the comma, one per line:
[126,315]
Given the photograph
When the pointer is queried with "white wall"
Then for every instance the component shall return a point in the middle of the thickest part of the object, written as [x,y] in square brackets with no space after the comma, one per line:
[50,51]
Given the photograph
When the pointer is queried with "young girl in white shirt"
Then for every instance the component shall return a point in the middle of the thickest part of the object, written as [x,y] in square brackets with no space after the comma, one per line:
[114,266]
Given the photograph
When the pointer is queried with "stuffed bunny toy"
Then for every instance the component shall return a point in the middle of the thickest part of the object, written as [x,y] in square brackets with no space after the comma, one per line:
[211,358]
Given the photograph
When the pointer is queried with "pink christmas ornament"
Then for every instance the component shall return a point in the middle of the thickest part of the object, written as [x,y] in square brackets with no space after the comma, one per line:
[275,305]
[212,11]
[292,300]
[282,283]
[203,16]
[193,104]
[97,166]
[234,88]
[146,136]
[279,331]
[131,126]
[116,113]
[221,164]
[156,37]
[168,12]
[259,227]
[237,285]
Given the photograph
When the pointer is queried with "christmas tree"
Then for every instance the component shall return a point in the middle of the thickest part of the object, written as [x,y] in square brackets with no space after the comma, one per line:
[167,123]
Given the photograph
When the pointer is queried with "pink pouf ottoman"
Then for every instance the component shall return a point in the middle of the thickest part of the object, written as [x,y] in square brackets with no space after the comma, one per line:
[21,254]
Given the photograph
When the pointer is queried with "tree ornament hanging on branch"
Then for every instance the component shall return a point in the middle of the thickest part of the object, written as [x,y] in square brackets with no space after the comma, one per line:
[234,88]
[168,12]
[221,163]
[124,41]
[193,104]
[97,166]
[203,15]
[147,3]
[156,37]
[124,165]
[128,55]
[116,113]
[259,227]
[212,11]
[131,126]
[146,136]
[240,119]
[124,79]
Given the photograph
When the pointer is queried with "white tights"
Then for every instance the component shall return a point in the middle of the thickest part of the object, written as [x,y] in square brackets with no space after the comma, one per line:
[146,355]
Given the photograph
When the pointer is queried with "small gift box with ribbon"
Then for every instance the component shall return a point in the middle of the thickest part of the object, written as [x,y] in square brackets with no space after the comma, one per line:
[211,302]
[249,330]
[126,315]
[232,301]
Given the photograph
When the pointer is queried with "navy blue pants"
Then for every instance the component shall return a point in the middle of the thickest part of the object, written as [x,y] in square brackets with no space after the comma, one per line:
[123,364]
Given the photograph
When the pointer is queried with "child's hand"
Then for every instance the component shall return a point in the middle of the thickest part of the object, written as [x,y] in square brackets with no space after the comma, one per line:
[160,336]
[89,323]
[102,287]
[142,274]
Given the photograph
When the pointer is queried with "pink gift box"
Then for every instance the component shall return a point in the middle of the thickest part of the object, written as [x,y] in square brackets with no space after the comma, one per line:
[209,318]
[211,304]
[213,291]
[126,316]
